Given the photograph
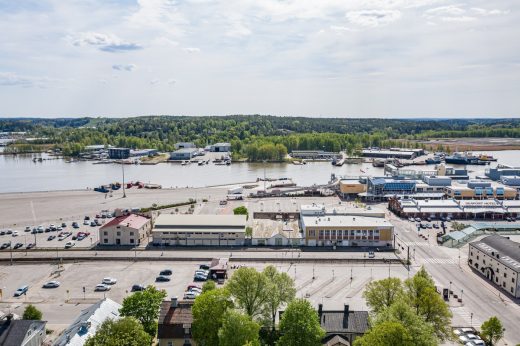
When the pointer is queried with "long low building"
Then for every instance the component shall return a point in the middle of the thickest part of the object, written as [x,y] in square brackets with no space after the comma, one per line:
[199,230]
[498,260]
[346,230]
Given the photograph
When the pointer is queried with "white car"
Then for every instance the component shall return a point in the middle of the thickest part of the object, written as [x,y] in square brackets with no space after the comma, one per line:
[109,281]
[191,295]
[15,234]
[195,289]
[202,271]
[102,287]
[40,228]
[70,244]
[86,222]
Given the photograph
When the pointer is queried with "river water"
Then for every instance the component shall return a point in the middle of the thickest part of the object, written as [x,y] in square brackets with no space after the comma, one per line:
[21,174]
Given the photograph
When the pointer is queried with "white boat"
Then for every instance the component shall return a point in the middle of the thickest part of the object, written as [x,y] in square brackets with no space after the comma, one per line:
[184,163]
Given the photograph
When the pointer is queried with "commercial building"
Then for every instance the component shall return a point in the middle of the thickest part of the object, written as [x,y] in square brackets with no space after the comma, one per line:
[314,155]
[276,233]
[175,320]
[497,259]
[490,209]
[351,187]
[125,230]
[510,180]
[342,327]
[199,230]
[87,323]
[498,172]
[480,190]
[182,145]
[119,153]
[346,230]
[143,152]
[220,148]
[184,154]
[378,187]
[21,332]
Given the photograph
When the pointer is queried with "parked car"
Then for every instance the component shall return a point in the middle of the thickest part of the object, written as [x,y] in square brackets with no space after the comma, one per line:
[87,218]
[190,295]
[51,284]
[70,244]
[200,277]
[86,222]
[194,286]
[204,266]
[63,224]
[92,224]
[137,288]
[17,245]
[436,226]
[5,246]
[371,254]
[30,246]
[2,232]
[15,234]
[21,290]
[162,278]
[195,289]
[109,281]
[27,229]
[166,272]
[9,231]
[418,219]
[411,219]
[75,224]
[102,287]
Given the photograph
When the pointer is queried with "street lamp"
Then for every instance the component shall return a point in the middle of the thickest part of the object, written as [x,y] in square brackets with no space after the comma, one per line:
[123,169]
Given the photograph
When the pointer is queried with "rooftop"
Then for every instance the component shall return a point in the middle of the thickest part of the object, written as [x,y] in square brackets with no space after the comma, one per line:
[13,332]
[345,220]
[87,323]
[185,150]
[508,250]
[130,220]
[199,221]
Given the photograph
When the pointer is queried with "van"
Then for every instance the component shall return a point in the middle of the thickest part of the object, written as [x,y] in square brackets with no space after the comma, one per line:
[21,290]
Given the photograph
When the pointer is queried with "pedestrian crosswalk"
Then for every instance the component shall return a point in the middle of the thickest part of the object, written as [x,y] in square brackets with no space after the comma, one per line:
[439,261]
[416,243]
[464,315]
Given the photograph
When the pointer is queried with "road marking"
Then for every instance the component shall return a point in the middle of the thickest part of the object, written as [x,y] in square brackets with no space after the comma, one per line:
[416,243]
[465,314]
[439,260]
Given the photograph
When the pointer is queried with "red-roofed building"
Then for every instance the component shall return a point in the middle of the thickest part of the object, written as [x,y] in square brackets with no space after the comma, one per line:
[128,229]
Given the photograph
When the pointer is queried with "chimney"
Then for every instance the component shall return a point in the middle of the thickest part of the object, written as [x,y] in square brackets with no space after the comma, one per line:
[345,315]
[175,302]
[320,310]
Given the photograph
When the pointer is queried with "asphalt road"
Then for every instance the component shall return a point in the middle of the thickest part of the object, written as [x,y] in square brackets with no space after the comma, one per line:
[480,299]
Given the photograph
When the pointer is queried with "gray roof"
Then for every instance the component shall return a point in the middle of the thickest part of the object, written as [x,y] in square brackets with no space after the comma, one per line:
[508,250]
[221,144]
[13,333]
[186,150]
[199,221]
[333,321]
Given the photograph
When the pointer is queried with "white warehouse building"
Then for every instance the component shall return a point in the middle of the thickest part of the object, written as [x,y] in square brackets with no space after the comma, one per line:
[498,260]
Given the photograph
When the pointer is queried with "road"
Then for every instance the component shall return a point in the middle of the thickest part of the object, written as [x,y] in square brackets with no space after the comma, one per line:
[448,267]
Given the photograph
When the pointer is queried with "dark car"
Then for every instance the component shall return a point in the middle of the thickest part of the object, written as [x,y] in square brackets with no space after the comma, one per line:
[30,246]
[51,237]
[166,272]
[87,218]
[17,245]
[75,224]
[137,288]
[204,266]
[162,278]
[5,246]
[93,224]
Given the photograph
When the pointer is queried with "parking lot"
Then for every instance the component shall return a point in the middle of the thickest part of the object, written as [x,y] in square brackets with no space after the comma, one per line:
[331,285]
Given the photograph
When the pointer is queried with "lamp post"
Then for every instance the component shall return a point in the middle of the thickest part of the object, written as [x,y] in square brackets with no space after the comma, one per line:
[449,293]
[123,169]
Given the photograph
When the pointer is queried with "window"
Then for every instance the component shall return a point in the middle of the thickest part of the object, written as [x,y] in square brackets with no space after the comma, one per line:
[105,241]
[170,343]
[505,275]
[105,233]
[511,289]
[513,280]
[131,233]
[118,233]
[131,240]
[312,233]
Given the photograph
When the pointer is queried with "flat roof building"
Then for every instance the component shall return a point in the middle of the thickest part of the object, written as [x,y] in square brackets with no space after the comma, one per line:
[184,154]
[497,259]
[199,230]
[119,153]
[346,230]
[181,145]
[220,147]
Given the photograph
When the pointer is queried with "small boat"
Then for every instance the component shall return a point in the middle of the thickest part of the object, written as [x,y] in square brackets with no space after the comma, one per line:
[297,163]
[115,186]
[464,159]
[184,163]
[129,185]
[201,163]
[433,160]
[485,157]
[102,189]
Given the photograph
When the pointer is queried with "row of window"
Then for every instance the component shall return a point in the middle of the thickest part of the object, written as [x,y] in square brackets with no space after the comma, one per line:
[118,233]
[198,233]
[118,241]
[342,234]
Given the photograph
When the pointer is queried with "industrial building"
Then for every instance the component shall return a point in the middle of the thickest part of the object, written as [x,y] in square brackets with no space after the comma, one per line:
[314,155]
[182,145]
[397,153]
[379,187]
[351,187]
[119,153]
[126,230]
[346,230]
[497,259]
[199,230]
[510,180]
[184,154]
[143,152]
[220,147]
[498,172]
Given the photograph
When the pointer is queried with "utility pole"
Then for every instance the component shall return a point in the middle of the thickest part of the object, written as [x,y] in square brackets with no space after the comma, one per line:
[123,169]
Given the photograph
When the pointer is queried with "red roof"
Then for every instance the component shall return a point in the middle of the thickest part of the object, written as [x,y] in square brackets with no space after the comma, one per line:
[131,220]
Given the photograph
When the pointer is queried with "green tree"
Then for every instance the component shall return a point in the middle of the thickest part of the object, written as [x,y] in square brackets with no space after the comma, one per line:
[31,313]
[208,286]
[421,332]
[383,293]
[421,294]
[144,306]
[238,329]
[208,312]
[242,210]
[126,331]
[492,331]
[300,325]
[281,291]
[386,334]
[250,289]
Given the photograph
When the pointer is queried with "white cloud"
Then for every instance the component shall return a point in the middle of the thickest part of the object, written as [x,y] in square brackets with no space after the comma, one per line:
[12,79]
[373,18]
[105,42]
[154,81]
[128,67]
[172,82]
[191,50]
[460,13]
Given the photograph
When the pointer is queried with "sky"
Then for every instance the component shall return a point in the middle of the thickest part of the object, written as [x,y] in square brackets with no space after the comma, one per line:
[339,58]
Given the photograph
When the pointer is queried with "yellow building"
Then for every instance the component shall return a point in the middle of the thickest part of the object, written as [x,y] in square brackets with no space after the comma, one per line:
[351,187]
[347,230]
